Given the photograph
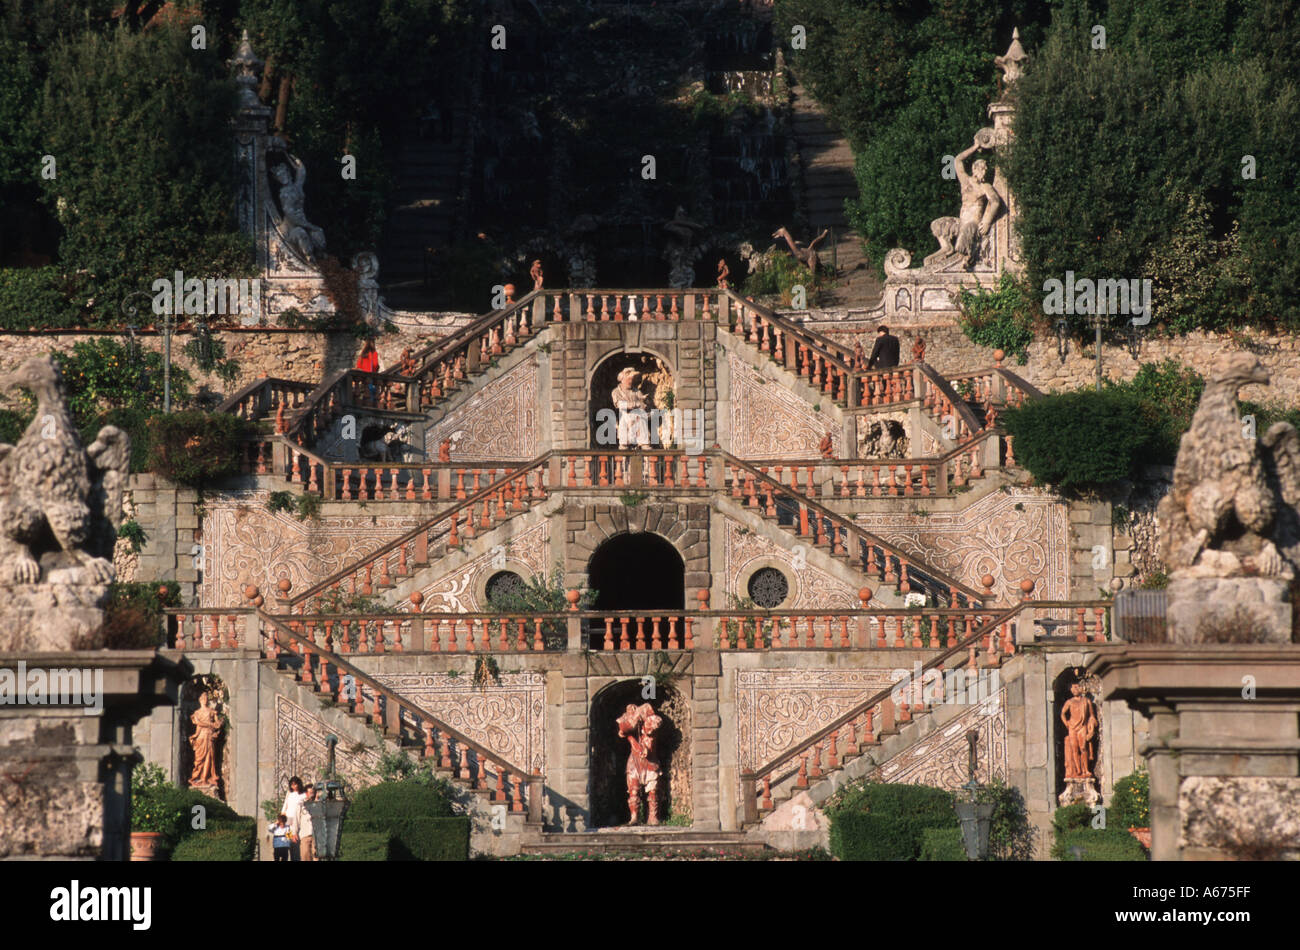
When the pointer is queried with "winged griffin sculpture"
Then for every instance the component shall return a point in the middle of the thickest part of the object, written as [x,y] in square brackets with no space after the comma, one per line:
[60,504]
[1232,509]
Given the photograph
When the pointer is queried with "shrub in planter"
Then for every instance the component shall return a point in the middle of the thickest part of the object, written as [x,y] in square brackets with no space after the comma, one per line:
[1131,805]
[1071,818]
[133,618]
[193,447]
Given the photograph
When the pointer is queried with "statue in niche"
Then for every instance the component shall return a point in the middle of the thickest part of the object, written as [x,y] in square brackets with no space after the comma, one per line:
[964,236]
[207,729]
[1080,723]
[638,725]
[631,405]
[290,174]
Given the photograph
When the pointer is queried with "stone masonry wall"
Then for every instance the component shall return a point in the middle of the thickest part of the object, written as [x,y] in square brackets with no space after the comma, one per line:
[949,351]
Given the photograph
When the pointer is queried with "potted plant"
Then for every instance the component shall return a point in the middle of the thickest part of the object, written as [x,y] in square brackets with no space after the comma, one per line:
[154,819]
[1132,800]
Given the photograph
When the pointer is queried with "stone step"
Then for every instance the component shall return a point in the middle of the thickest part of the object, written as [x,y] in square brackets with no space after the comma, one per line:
[647,840]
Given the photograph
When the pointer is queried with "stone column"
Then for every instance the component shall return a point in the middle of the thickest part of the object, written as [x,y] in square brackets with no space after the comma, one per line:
[67,769]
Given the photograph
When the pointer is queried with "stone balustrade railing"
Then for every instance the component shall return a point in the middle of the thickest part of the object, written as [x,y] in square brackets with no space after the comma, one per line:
[889,709]
[262,398]
[417,631]
[837,535]
[356,691]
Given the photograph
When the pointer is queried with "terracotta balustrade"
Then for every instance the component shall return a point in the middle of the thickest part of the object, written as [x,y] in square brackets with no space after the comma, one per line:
[196,630]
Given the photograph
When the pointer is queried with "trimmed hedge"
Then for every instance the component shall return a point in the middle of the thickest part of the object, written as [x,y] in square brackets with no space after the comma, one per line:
[420,839]
[942,844]
[1112,844]
[1082,440]
[1071,818]
[887,822]
[232,840]
[400,800]
[364,845]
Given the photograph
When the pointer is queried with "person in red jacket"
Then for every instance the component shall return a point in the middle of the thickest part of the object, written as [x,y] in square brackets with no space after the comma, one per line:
[369,360]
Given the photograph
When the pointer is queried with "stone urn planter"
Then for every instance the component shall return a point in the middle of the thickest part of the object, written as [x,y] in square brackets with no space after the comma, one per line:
[1143,835]
[145,845]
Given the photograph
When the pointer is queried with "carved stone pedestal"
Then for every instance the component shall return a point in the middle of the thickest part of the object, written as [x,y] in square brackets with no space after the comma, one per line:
[1224,746]
[65,770]
[1079,790]
[51,616]
[1206,609]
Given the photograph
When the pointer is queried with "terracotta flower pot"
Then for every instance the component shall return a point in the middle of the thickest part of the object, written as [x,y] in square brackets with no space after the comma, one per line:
[1143,835]
[145,845]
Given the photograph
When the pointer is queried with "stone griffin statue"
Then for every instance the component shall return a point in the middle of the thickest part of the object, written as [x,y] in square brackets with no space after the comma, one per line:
[1230,532]
[60,510]
[1232,509]
[638,725]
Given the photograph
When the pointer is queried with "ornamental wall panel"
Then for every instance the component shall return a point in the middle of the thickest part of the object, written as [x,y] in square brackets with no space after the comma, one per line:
[498,422]
[769,421]
[245,543]
[301,749]
[458,591]
[1011,535]
[811,588]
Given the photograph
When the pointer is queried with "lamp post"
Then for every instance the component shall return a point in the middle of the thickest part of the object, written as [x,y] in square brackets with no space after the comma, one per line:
[327,815]
[1062,338]
[976,817]
[1097,321]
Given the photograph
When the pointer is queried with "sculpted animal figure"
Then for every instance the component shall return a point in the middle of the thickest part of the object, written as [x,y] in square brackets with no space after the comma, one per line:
[1232,508]
[60,504]
[805,255]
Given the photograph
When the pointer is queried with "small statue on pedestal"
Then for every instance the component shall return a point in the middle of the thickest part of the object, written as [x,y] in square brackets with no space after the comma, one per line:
[638,725]
[1080,722]
[207,727]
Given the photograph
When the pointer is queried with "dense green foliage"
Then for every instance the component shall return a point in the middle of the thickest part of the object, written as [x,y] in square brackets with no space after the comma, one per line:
[365,845]
[1111,844]
[874,822]
[234,840]
[417,816]
[877,822]
[1002,318]
[400,799]
[542,593]
[419,838]
[1168,394]
[908,83]
[157,805]
[1082,440]
[359,69]
[102,373]
[133,617]
[1130,807]
[1128,161]
[942,844]
[139,126]
[195,447]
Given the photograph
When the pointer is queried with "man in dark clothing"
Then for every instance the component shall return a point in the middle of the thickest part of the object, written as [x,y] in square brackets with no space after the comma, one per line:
[884,355]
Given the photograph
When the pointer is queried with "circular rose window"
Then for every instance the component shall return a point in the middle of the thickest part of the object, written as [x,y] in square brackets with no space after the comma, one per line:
[768,587]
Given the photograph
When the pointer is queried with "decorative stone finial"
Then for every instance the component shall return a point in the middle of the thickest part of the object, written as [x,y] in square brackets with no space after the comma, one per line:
[703,598]
[998,357]
[250,592]
[416,600]
[573,597]
[864,595]
[284,586]
[1012,62]
[247,66]
[1027,587]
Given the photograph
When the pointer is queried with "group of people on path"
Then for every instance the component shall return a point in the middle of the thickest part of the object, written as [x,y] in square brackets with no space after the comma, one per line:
[292,836]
